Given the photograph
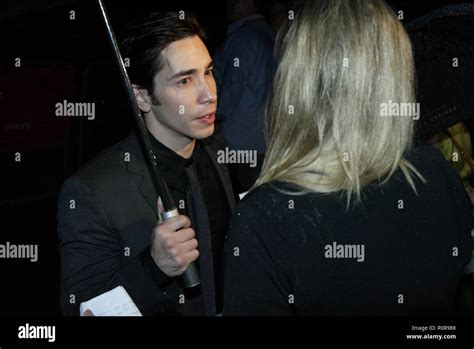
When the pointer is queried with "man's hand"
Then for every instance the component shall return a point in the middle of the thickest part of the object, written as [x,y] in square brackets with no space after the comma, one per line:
[173,245]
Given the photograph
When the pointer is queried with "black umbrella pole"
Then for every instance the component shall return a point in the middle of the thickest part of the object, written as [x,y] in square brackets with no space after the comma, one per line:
[191,275]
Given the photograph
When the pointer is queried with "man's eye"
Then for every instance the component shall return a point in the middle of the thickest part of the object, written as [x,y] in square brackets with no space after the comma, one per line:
[209,72]
[184,81]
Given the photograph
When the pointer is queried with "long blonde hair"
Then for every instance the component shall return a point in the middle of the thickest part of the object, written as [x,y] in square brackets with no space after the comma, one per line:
[339,60]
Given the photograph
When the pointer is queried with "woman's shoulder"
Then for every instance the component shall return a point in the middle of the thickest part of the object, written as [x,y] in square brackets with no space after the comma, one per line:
[273,202]
[426,156]
[274,191]
[264,200]
[431,164]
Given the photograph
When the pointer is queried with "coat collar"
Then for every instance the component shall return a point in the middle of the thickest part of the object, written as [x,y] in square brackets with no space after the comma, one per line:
[137,167]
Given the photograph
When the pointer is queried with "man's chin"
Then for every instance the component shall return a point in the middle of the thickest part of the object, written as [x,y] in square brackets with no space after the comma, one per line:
[205,133]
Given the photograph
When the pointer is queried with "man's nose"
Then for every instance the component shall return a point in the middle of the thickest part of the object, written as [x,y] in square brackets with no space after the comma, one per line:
[208,92]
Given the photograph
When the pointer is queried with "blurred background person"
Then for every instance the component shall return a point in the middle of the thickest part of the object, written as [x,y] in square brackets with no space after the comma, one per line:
[347,217]
[244,70]
[278,12]
[443,47]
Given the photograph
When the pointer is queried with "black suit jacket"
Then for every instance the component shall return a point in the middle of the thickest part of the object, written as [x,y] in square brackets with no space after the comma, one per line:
[106,213]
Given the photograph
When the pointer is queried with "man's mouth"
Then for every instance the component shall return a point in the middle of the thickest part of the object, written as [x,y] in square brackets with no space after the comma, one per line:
[207,119]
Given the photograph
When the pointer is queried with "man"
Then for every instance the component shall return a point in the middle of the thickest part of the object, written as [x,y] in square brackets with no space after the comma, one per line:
[245,67]
[108,210]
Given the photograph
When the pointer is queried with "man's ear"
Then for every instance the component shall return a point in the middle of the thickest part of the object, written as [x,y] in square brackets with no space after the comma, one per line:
[143,98]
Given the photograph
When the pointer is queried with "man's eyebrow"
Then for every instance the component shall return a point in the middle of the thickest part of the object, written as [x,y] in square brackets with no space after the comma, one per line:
[189,72]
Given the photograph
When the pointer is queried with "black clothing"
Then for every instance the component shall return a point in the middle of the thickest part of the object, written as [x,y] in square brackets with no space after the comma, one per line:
[200,218]
[172,167]
[106,213]
[394,254]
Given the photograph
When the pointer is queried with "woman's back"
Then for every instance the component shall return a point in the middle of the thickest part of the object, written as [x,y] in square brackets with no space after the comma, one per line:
[395,253]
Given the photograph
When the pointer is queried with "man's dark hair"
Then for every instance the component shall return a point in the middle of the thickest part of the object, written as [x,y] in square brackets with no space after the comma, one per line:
[146,37]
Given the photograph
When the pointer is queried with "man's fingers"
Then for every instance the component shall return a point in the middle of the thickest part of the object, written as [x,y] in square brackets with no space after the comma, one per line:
[188,246]
[88,312]
[184,235]
[187,222]
[176,223]
[191,256]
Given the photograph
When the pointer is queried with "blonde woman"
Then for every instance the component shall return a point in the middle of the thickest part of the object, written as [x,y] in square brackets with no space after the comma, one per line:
[346,217]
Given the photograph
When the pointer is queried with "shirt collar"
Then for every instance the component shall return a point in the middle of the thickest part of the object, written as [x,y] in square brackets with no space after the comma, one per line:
[172,164]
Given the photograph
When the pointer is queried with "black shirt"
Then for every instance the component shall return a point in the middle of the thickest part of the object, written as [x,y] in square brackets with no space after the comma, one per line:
[396,253]
[172,168]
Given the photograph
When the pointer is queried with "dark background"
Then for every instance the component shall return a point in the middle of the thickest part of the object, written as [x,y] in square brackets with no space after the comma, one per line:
[67,59]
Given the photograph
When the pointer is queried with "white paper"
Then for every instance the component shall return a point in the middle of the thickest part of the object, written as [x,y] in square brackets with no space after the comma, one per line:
[115,302]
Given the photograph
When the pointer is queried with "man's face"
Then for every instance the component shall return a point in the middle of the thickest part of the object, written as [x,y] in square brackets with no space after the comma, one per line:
[186,90]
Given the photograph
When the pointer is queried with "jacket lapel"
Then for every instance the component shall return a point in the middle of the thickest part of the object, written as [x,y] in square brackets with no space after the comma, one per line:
[139,170]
